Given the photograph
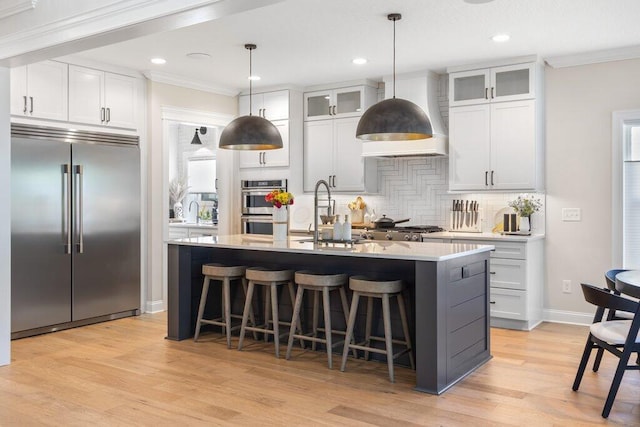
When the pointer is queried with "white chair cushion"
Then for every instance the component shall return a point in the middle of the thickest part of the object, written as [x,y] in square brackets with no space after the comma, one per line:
[612,332]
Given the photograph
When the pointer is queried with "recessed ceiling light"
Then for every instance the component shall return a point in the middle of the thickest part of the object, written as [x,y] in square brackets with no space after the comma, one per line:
[477,1]
[499,38]
[198,55]
[158,61]
[359,61]
[254,78]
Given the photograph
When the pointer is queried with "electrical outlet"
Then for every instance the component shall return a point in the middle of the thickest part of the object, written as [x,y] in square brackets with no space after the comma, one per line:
[571,214]
[566,286]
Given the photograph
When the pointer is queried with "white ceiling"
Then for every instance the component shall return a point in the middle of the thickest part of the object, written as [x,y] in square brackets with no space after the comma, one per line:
[309,42]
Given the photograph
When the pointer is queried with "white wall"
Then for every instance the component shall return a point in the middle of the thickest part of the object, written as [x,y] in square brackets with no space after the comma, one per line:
[159,95]
[579,104]
[5,220]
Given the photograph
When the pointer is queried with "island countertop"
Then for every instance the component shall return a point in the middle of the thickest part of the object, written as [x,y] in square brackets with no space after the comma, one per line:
[418,251]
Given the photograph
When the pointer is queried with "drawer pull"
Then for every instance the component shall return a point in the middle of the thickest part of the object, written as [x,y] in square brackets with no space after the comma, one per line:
[492,302]
[492,272]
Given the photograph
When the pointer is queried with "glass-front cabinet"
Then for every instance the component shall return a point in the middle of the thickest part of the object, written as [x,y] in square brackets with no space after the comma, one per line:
[508,83]
[343,102]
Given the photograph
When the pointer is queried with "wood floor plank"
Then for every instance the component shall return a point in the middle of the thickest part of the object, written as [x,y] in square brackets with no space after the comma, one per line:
[125,373]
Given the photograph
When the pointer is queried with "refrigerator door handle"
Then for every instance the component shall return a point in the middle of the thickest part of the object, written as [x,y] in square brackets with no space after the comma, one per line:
[66,214]
[80,209]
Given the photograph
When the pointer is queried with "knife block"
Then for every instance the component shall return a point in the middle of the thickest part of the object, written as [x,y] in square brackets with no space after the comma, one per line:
[466,221]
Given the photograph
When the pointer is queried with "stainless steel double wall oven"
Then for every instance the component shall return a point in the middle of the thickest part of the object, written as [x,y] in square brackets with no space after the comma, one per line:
[256,211]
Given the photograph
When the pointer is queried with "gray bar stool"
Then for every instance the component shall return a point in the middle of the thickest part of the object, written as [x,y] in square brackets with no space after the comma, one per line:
[271,279]
[223,274]
[362,286]
[318,283]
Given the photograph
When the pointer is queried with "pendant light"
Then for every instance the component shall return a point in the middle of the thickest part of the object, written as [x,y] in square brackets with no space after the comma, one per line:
[394,119]
[196,139]
[250,132]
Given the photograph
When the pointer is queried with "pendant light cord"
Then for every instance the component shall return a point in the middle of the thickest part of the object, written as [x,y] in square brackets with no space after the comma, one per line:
[394,58]
[250,82]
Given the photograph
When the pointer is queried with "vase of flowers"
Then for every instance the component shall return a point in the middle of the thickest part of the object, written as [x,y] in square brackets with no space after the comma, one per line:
[280,200]
[525,205]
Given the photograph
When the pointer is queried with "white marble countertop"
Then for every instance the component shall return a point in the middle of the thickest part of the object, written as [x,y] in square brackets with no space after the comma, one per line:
[205,225]
[483,236]
[425,251]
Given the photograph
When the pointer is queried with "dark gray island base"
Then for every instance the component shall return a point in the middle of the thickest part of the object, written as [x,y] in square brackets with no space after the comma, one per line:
[448,298]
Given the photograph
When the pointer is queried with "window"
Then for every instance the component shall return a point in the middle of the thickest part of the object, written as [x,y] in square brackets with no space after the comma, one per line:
[626,190]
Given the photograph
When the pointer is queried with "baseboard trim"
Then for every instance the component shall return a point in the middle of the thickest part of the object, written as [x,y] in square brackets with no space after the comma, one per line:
[154,306]
[571,317]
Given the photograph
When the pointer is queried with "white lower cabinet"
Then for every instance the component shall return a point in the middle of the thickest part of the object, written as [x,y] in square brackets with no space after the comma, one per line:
[516,277]
[182,231]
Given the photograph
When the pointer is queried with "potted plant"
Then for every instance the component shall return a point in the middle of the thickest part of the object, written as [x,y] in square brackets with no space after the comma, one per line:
[177,192]
[525,205]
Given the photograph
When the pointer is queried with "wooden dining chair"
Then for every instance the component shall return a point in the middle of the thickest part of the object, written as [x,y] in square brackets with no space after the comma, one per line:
[619,337]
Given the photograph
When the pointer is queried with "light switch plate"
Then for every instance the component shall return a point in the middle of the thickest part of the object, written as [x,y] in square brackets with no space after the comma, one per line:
[571,214]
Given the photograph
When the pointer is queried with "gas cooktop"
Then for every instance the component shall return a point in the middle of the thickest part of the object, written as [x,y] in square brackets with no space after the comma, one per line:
[412,233]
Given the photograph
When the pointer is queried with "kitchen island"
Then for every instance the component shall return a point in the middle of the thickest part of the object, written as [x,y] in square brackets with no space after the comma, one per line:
[447,290]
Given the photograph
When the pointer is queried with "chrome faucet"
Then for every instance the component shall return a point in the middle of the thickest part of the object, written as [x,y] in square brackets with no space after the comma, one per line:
[315,207]
[197,211]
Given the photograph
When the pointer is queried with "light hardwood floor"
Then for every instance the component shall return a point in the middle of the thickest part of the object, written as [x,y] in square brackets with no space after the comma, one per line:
[125,373]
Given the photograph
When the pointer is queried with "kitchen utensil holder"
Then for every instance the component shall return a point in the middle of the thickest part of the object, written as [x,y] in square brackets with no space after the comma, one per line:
[466,221]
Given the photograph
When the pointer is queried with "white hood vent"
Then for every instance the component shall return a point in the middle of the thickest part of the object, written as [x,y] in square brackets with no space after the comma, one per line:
[421,89]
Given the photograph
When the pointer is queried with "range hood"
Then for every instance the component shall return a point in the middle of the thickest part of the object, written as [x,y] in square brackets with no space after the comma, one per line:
[421,89]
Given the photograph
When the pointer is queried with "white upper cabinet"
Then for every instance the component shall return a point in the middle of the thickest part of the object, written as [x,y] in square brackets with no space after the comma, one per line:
[334,103]
[494,147]
[269,158]
[506,83]
[270,105]
[101,98]
[40,90]
[333,153]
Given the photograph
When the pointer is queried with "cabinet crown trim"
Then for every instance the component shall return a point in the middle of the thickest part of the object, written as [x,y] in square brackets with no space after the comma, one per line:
[498,63]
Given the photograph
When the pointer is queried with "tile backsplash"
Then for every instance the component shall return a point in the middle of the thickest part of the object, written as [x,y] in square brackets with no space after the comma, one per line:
[418,188]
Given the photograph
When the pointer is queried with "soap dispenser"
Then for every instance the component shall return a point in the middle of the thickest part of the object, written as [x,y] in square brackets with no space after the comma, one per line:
[337,229]
[346,228]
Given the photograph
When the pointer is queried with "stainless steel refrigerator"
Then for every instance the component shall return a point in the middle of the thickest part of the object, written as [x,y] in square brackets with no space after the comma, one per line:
[75,228]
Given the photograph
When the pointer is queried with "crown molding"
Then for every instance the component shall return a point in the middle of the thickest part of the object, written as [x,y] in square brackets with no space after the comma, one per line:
[179,114]
[16,6]
[594,57]
[175,80]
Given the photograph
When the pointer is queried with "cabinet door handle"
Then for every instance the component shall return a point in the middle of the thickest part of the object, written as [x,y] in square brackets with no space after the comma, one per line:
[264,157]
[108,115]
[215,185]
[492,302]
[329,114]
[492,272]
[334,110]
[486,93]
[264,113]
[486,178]
[102,115]
[334,181]
[31,101]
[492,178]
[25,104]
[492,88]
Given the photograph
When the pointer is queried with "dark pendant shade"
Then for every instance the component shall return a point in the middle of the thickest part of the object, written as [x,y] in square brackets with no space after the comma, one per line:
[250,133]
[394,119]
